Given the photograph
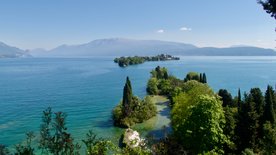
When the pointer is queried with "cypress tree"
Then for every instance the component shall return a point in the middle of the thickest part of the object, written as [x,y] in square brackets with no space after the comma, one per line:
[200,78]
[258,98]
[166,76]
[129,83]
[226,97]
[248,125]
[204,78]
[158,72]
[269,114]
[127,98]
[239,98]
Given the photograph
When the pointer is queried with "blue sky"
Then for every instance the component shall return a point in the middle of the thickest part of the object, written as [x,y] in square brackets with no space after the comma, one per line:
[30,24]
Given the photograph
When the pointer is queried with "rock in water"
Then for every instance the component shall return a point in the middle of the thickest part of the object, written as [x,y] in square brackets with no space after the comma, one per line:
[132,138]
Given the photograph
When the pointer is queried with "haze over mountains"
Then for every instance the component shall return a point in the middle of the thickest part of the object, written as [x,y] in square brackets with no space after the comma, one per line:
[130,47]
[7,51]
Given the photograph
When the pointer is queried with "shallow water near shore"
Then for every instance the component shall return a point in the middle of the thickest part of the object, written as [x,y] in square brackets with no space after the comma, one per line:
[87,89]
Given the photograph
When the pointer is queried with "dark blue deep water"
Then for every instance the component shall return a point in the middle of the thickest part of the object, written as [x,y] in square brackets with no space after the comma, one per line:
[88,88]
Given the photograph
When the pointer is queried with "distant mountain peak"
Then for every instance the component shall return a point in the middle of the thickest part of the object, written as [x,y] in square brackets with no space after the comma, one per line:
[7,51]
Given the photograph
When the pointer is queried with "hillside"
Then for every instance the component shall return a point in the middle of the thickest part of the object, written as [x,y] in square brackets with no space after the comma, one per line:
[7,51]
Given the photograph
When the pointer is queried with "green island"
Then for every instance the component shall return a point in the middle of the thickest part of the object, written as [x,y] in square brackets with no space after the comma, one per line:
[201,121]
[126,61]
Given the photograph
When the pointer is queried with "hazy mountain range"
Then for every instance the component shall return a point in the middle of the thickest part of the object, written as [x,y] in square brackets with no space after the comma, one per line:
[130,47]
[7,51]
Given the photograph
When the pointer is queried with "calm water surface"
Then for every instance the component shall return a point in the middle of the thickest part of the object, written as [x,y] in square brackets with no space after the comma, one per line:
[88,88]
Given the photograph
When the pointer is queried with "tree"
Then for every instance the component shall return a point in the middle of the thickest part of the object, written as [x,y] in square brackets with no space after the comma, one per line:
[200,78]
[258,98]
[226,97]
[26,149]
[3,150]
[269,140]
[97,146]
[230,114]
[127,98]
[192,76]
[204,78]
[269,113]
[152,86]
[269,6]
[200,125]
[239,98]
[248,124]
[131,109]
[54,137]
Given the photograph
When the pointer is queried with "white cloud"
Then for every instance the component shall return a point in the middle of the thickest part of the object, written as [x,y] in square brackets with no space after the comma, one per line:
[160,31]
[185,29]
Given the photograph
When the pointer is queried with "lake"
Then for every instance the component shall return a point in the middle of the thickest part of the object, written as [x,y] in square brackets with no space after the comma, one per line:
[87,89]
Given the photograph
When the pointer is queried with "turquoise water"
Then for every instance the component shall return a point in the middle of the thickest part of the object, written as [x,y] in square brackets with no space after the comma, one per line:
[88,88]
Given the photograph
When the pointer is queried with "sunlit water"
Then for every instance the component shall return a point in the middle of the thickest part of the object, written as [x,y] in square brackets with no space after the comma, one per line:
[88,88]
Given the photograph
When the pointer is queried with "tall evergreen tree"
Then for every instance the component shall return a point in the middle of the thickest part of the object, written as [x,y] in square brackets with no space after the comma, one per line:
[269,114]
[129,83]
[257,97]
[204,78]
[200,78]
[248,124]
[127,98]
[166,75]
[159,74]
[239,98]
[226,97]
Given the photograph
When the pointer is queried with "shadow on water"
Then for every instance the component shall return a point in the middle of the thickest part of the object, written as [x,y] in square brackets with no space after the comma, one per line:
[104,124]
[165,112]
[159,133]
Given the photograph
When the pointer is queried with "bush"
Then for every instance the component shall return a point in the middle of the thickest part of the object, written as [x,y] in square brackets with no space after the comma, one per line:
[141,110]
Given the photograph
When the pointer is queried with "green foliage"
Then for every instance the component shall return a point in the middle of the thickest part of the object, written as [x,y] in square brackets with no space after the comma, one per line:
[192,76]
[141,110]
[248,151]
[160,73]
[97,146]
[269,113]
[200,126]
[54,137]
[231,115]
[248,124]
[125,61]
[132,110]
[26,149]
[135,151]
[198,118]
[201,77]
[226,97]
[127,98]
[204,78]
[3,150]
[269,140]
[269,6]
[161,83]
[152,86]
